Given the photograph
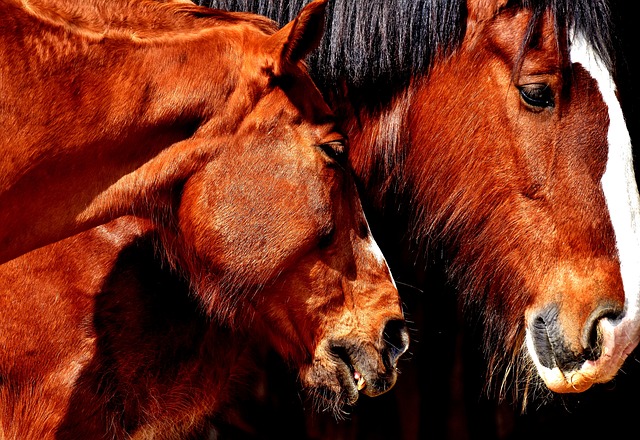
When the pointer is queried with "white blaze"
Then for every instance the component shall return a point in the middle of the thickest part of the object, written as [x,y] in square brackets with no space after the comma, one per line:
[619,337]
[621,194]
[377,252]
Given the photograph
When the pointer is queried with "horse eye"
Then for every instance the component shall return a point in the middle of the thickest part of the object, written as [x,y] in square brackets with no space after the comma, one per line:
[336,150]
[326,238]
[539,96]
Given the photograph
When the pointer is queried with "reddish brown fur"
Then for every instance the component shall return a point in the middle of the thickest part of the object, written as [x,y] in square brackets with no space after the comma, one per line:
[65,171]
[101,355]
[522,213]
[458,165]
[250,230]
[117,345]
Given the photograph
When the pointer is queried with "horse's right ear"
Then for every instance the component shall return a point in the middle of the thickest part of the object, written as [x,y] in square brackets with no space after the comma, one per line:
[296,39]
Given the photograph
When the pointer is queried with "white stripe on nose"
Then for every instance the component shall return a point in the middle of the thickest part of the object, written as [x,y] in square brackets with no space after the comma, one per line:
[375,250]
[619,186]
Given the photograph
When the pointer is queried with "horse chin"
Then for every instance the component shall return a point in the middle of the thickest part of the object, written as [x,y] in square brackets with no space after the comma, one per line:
[335,381]
[331,388]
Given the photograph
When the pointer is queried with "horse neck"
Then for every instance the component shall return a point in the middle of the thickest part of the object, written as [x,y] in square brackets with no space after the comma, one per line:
[379,140]
[208,359]
[142,17]
[107,119]
[211,358]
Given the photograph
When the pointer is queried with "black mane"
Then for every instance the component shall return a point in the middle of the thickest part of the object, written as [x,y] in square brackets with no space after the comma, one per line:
[370,43]
[380,44]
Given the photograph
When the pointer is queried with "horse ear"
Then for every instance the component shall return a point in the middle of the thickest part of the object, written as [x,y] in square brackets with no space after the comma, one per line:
[296,39]
[479,10]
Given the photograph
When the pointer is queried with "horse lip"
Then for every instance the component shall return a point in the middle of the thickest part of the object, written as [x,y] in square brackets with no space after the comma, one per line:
[361,379]
[355,380]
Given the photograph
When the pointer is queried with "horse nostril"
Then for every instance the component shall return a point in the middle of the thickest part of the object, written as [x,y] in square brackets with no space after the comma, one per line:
[544,334]
[591,333]
[550,343]
[395,338]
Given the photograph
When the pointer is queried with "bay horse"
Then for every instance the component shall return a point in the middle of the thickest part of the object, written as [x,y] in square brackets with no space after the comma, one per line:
[248,230]
[488,139]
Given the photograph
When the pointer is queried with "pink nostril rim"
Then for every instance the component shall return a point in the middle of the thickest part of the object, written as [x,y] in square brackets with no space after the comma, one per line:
[395,338]
[591,335]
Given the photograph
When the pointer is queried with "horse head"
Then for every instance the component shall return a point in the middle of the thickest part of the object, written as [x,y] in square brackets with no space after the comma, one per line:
[240,168]
[271,232]
[532,182]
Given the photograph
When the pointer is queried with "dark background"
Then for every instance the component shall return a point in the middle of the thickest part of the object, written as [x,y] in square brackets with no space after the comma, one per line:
[626,18]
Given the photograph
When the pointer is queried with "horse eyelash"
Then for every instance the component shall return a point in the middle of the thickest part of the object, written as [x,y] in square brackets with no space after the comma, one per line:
[539,96]
[335,150]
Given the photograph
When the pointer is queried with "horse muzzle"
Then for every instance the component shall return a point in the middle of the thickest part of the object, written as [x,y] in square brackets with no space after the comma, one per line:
[605,341]
[356,366]
[372,371]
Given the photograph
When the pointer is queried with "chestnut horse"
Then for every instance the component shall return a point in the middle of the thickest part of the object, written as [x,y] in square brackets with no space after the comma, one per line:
[65,170]
[488,138]
[250,230]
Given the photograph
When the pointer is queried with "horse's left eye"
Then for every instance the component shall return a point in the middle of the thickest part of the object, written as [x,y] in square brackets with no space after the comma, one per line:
[326,238]
[539,96]
[336,150]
